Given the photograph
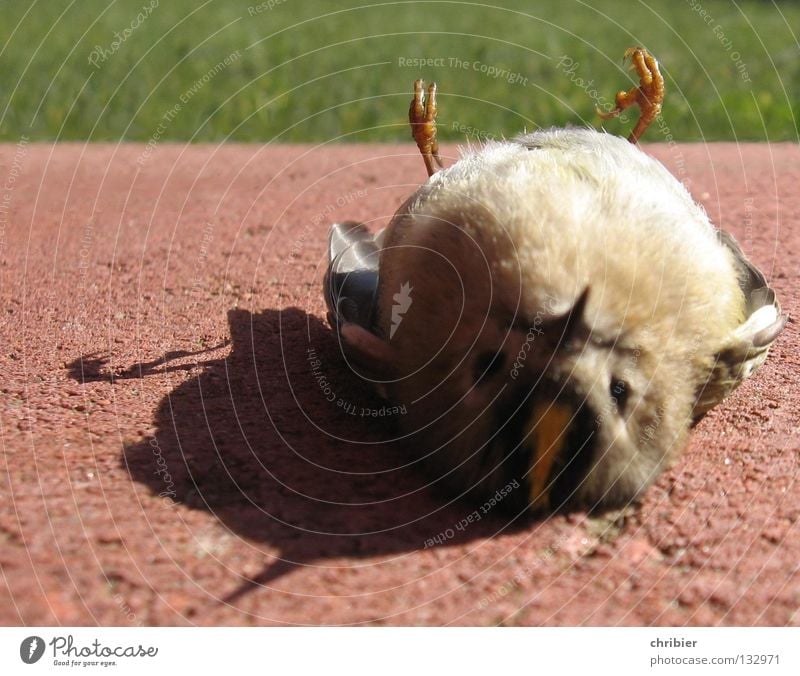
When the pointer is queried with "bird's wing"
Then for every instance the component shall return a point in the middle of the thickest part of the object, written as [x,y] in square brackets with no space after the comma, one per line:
[747,347]
[351,280]
[351,294]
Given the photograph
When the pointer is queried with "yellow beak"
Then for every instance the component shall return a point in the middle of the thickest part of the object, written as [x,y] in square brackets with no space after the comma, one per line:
[548,429]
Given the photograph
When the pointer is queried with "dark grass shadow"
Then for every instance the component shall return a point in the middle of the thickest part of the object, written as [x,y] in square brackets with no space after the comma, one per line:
[260,441]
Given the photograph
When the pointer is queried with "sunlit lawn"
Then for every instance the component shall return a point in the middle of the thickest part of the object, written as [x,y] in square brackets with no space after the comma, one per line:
[302,71]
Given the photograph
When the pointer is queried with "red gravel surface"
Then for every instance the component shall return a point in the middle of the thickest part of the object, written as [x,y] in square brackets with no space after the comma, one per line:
[168,456]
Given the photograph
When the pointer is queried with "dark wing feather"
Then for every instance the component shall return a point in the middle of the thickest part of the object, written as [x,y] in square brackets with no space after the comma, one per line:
[747,348]
[351,280]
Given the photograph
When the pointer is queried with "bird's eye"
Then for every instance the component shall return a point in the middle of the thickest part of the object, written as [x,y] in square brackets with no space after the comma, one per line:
[619,392]
[488,364]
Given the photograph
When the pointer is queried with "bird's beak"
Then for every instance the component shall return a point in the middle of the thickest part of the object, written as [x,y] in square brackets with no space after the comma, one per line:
[548,432]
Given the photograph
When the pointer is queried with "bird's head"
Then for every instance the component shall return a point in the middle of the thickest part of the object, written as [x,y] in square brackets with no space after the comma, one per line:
[540,393]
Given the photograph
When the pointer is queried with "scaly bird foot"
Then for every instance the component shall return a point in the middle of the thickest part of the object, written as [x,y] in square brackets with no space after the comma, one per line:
[649,95]
[422,116]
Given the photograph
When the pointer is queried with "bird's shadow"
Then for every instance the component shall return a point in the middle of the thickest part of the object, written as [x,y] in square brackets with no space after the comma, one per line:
[271,440]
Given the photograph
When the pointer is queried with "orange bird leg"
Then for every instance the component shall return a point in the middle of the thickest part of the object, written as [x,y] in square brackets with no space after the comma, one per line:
[649,95]
[422,116]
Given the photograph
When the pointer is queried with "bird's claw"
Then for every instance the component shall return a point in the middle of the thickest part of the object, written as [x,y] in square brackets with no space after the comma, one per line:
[422,116]
[649,95]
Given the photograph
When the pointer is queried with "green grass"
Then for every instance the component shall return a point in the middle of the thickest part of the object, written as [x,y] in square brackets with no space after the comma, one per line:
[332,70]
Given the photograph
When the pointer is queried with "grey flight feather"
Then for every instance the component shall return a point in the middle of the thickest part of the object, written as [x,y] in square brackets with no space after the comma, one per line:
[747,348]
[351,280]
